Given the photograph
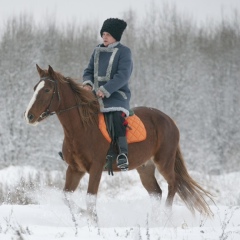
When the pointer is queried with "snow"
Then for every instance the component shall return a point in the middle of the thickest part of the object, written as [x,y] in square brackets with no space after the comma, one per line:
[193,80]
[124,210]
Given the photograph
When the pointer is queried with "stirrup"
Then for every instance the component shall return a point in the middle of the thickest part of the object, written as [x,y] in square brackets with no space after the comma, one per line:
[122,162]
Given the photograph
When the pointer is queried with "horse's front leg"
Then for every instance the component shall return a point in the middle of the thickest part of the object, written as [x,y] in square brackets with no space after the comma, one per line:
[73,178]
[95,174]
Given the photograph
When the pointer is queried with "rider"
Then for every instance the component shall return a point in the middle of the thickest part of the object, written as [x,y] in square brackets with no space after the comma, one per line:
[108,74]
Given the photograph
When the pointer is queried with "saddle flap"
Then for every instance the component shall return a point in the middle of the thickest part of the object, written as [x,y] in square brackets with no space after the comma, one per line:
[136,131]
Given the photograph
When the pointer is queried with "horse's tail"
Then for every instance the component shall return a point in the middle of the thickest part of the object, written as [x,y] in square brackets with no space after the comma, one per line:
[189,190]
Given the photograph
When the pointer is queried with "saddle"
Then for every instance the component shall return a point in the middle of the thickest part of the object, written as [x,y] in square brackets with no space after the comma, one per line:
[136,131]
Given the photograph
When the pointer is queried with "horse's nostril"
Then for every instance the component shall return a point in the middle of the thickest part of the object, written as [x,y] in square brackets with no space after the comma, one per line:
[30,117]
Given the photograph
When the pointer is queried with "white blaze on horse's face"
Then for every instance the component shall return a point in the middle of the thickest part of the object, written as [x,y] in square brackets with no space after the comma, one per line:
[32,101]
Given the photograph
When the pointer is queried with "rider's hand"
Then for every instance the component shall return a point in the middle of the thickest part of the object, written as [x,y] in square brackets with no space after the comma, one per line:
[87,87]
[100,94]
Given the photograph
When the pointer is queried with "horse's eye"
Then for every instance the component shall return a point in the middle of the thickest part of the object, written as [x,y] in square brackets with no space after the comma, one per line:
[47,90]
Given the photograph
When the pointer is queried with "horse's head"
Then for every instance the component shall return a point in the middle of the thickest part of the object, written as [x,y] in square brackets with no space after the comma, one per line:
[45,99]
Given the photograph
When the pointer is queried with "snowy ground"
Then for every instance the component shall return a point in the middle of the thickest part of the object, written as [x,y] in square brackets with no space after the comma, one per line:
[124,209]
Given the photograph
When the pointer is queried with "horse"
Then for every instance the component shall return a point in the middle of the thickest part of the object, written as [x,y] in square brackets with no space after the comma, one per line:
[84,147]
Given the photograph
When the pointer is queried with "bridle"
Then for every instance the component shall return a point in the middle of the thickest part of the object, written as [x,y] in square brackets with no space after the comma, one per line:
[47,112]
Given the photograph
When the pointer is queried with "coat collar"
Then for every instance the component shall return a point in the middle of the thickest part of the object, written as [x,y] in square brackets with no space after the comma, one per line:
[110,45]
[113,45]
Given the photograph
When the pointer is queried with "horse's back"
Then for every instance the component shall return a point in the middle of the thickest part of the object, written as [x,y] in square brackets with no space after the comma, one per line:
[158,123]
[154,115]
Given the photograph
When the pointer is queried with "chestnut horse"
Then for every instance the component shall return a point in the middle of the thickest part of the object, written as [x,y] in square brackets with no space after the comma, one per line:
[84,147]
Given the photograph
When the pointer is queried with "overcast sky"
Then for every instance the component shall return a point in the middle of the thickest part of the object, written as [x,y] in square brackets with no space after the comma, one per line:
[87,10]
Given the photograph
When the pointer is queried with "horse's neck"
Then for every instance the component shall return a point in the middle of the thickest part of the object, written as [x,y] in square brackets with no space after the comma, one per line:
[69,116]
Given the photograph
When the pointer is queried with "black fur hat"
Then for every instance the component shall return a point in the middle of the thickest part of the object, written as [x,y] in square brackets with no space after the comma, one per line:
[114,26]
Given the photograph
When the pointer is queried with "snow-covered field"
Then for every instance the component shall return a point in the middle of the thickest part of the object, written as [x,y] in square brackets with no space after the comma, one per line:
[124,210]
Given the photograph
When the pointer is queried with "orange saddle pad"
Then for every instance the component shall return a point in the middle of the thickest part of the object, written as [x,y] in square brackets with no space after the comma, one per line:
[136,131]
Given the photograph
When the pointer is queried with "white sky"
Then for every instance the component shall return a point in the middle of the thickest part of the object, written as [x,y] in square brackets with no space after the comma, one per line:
[87,10]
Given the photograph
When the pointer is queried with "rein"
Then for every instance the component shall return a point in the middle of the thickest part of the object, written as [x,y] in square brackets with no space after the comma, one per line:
[48,113]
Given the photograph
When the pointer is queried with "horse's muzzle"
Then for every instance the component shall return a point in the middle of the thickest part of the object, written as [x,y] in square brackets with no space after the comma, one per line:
[30,117]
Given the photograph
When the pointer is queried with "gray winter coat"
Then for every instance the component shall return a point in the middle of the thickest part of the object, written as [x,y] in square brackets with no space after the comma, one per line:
[109,70]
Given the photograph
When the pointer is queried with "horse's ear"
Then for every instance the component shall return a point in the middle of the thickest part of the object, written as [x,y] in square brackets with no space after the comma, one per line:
[40,71]
[51,71]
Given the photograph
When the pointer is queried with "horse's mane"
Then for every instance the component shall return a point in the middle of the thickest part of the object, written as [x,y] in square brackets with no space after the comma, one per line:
[89,106]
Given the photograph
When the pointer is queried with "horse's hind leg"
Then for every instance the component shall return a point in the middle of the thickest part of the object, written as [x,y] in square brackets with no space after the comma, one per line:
[147,176]
[166,168]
